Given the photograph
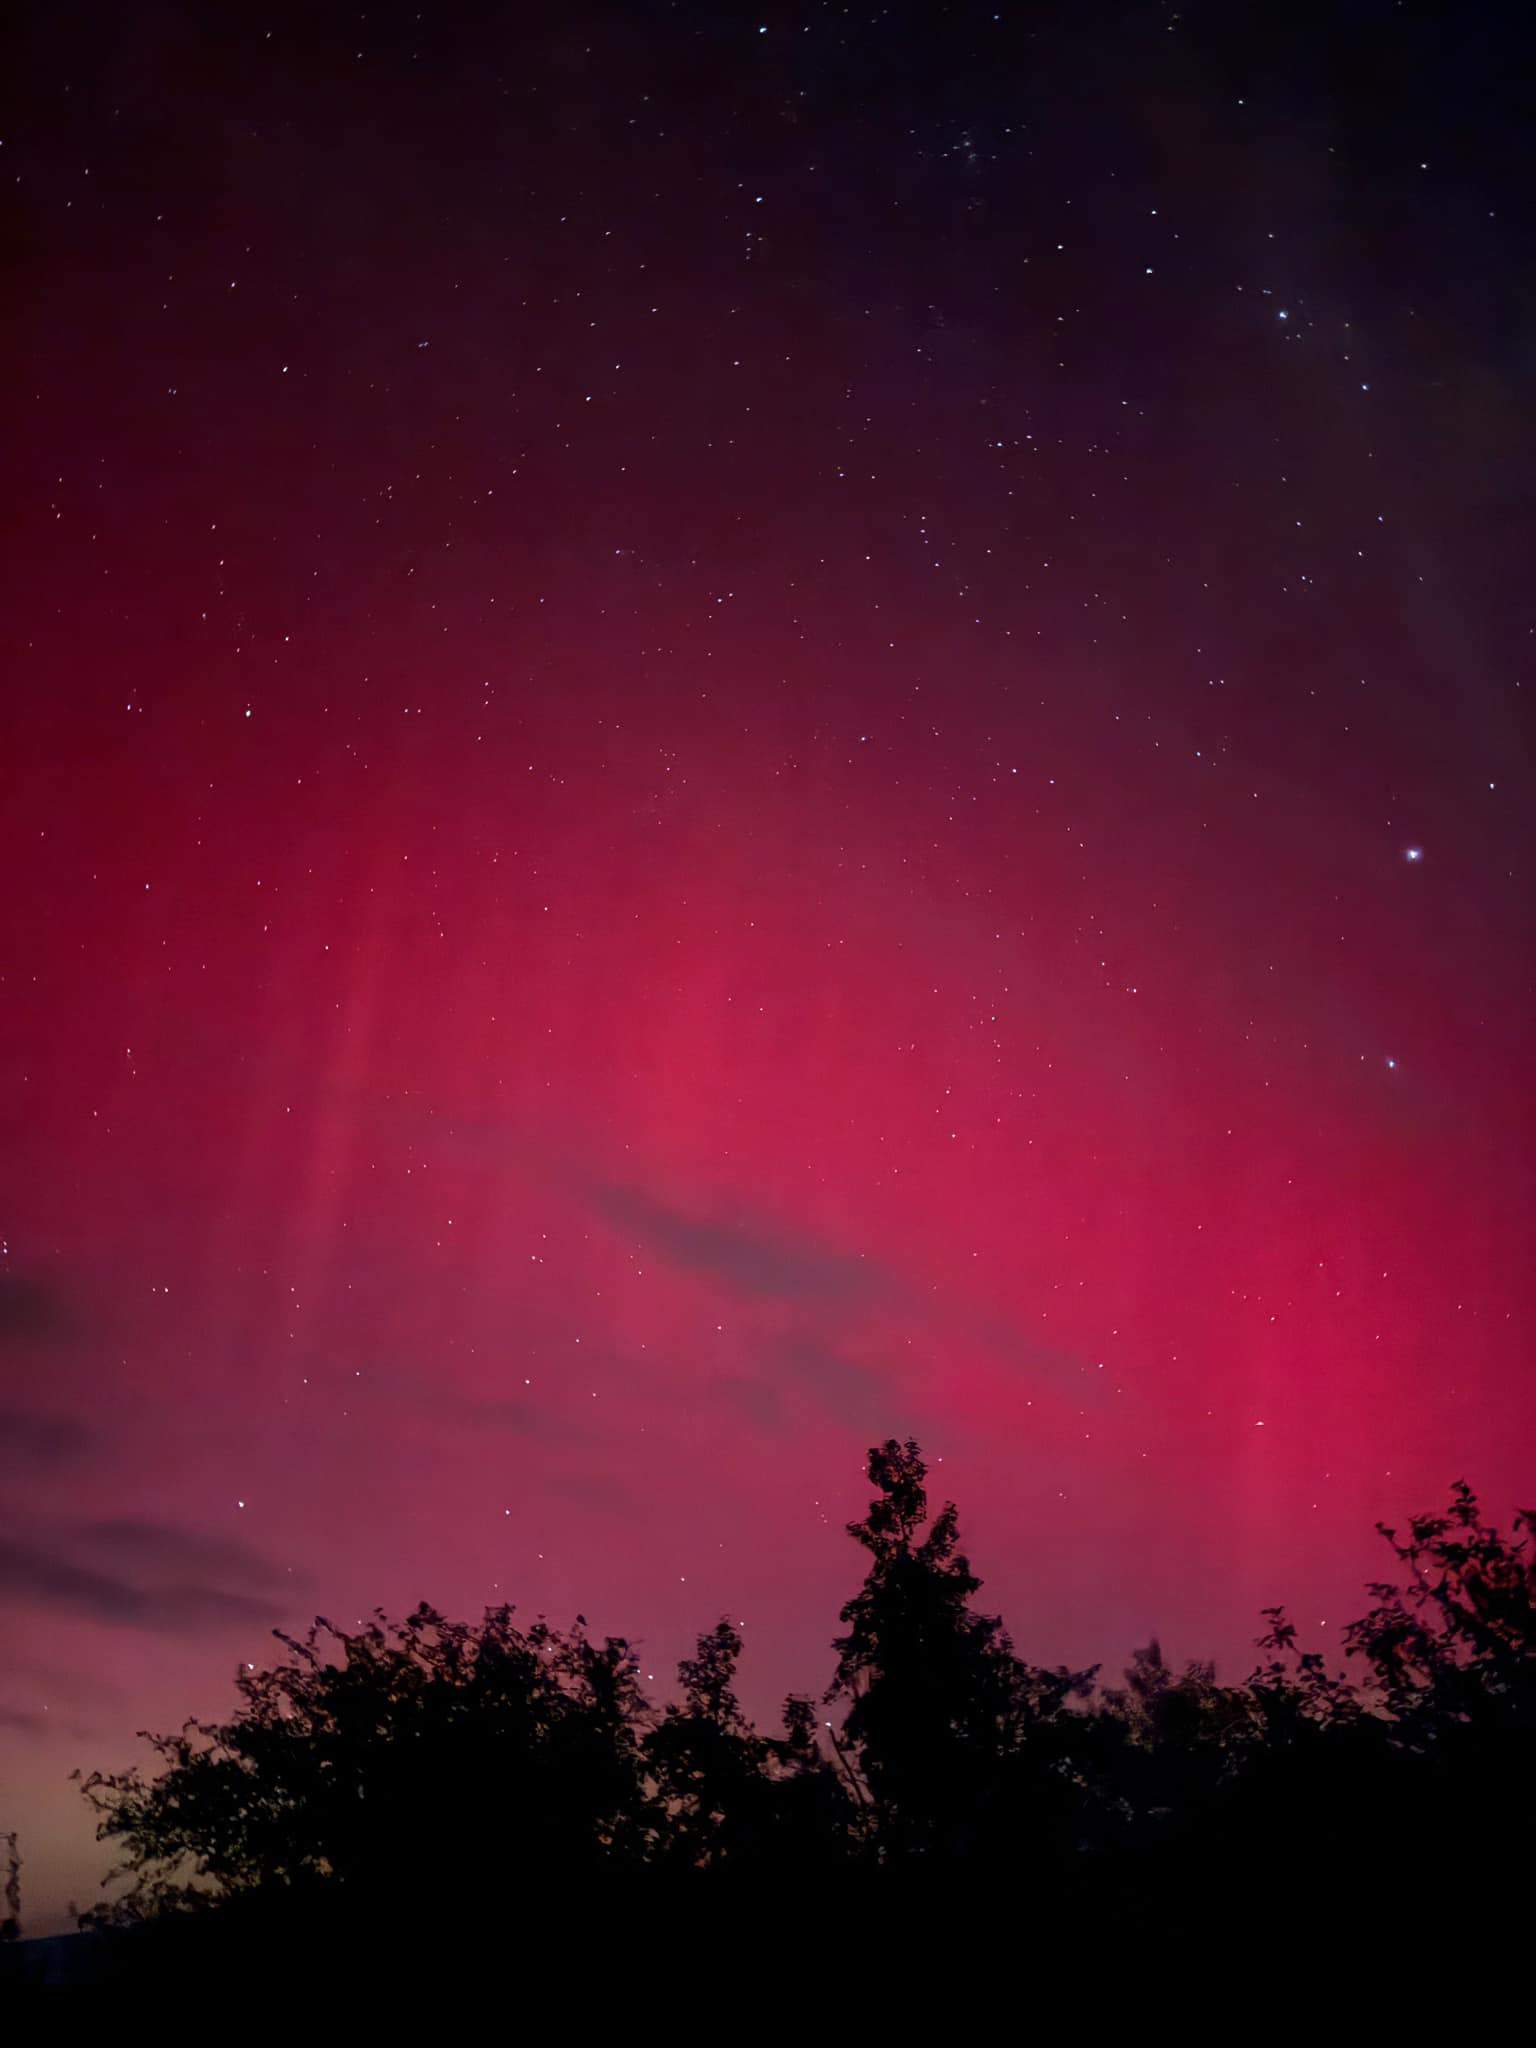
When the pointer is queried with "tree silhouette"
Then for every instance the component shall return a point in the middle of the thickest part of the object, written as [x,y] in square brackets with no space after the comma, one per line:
[435,1775]
[378,1762]
[735,1800]
[1454,1649]
[1173,1741]
[10,1926]
[957,1740]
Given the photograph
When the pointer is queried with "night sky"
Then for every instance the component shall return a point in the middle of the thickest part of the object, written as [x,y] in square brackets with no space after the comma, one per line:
[729,732]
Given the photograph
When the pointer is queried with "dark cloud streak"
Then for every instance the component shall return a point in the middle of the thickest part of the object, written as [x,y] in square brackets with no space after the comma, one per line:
[29,1438]
[750,1256]
[31,1310]
[32,1575]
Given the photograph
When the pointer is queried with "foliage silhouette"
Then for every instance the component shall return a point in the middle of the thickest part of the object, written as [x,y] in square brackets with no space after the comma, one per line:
[958,1741]
[733,1800]
[442,1748]
[439,1775]
[10,1926]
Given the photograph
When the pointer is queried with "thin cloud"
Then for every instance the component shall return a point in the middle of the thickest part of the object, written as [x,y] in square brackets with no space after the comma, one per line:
[160,1548]
[31,1309]
[802,1376]
[444,1402]
[749,1256]
[826,1293]
[23,1721]
[29,1438]
[32,1575]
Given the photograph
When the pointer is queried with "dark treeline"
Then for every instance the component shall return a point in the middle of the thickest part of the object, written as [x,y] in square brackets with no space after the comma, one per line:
[468,1782]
